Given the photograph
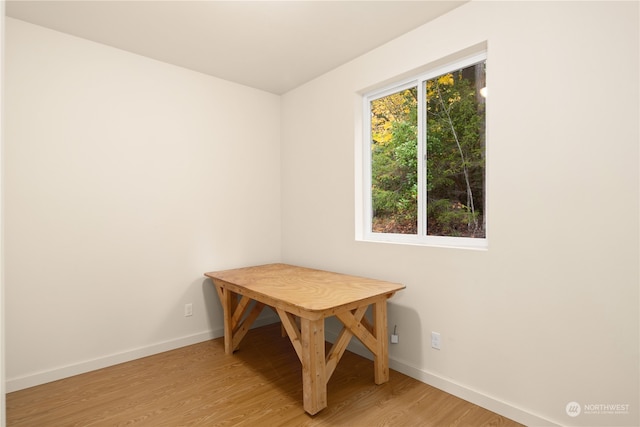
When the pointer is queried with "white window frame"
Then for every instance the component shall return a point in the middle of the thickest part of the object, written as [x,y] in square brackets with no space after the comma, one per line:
[364,223]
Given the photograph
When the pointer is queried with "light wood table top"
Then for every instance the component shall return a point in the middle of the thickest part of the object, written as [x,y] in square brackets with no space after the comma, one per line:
[305,288]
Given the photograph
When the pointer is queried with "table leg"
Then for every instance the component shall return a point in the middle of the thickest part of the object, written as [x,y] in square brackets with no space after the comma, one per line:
[314,381]
[227,301]
[380,356]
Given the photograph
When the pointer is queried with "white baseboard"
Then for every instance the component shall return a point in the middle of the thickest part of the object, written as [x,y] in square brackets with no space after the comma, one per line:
[470,395]
[38,378]
[449,386]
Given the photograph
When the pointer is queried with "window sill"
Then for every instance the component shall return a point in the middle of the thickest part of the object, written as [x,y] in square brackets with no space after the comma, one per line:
[429,241]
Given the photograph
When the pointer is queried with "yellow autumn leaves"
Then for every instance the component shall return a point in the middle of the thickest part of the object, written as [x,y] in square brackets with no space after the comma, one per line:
[443,80]
[390,109]
[397,107]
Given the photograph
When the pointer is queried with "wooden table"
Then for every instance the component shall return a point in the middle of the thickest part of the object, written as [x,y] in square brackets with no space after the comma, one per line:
[310,296]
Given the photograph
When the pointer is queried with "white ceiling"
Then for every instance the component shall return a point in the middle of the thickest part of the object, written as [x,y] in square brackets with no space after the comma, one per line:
[271,45]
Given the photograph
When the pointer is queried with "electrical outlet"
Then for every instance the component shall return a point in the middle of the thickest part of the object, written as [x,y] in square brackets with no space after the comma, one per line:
[394,335]
[188,310]
[435,340]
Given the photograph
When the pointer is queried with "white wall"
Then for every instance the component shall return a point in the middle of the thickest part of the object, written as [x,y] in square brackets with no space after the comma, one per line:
[549,313]
[3,417]
[126,179]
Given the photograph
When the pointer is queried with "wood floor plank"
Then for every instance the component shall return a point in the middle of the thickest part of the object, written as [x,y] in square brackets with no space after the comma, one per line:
[259,385]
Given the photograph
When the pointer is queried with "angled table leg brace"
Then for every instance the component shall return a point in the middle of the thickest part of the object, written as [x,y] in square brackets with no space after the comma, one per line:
[348,300]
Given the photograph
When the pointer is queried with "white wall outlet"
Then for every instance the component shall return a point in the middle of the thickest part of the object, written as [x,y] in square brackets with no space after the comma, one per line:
[188,310]
[435,340]
[394,335]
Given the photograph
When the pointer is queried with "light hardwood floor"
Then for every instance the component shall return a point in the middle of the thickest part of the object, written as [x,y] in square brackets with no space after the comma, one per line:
[260,385]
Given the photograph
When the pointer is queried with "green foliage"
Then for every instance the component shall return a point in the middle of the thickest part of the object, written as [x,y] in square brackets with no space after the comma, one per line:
[449,218]
[455,157]
[395,164]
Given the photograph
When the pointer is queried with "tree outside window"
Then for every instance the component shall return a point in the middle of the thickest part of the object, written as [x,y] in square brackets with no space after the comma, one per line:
[437,189]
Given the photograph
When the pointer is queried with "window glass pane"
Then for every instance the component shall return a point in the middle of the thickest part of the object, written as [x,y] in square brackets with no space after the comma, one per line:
[394,167]
[455,145]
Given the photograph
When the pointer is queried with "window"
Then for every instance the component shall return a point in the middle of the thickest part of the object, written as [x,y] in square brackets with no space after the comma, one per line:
[424,160]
